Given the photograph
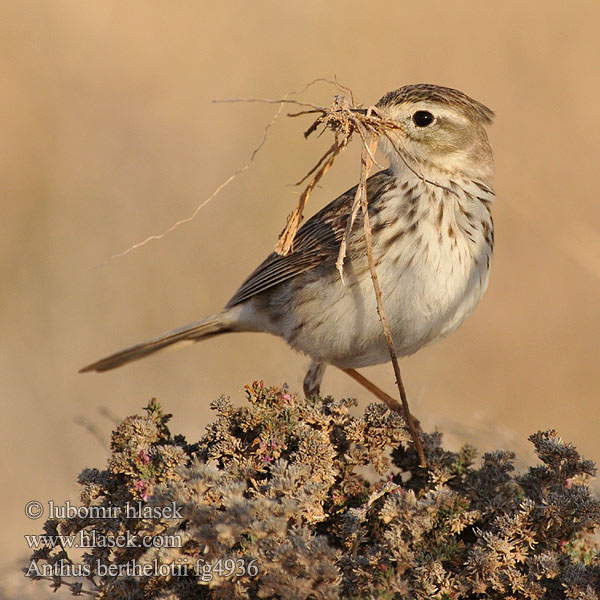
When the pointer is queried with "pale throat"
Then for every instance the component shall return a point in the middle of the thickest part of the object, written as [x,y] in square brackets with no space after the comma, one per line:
[454,166]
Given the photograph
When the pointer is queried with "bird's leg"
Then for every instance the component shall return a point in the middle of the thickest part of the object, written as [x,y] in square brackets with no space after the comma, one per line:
[313,378]
[392,403]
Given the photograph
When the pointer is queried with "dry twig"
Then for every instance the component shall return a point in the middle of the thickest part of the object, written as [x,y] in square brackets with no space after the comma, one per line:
[368,149]
[345,119]
[237,173]
[286,239]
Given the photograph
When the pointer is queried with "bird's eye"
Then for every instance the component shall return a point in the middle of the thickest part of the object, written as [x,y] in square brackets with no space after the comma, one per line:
[422,118]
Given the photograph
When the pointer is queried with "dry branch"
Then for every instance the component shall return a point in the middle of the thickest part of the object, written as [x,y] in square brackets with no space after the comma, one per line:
[241,170]
[345,119]
[286,239]
[368,149]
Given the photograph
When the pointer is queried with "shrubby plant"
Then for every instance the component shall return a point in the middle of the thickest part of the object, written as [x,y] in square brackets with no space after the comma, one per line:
[297,499]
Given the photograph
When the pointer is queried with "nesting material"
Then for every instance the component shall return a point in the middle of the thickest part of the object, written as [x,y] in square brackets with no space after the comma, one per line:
[345,119]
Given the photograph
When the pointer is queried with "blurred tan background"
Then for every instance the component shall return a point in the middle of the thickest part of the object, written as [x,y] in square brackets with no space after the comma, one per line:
[109,135]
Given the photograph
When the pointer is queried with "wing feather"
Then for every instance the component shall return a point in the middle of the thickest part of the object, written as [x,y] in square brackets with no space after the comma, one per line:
[316,242]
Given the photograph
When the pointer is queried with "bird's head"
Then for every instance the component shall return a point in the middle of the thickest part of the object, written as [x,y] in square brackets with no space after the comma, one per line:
[441,128]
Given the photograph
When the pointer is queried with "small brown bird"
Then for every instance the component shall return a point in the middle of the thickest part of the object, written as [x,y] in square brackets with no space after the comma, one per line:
[432,245]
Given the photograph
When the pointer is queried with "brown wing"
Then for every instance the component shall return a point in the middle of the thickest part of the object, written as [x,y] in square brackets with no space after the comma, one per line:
[317,241]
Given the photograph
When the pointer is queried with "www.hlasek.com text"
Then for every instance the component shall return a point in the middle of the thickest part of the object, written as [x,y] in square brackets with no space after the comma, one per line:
[93,539]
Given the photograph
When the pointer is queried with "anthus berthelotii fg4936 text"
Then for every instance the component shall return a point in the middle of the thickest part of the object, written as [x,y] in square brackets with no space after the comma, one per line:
[432,242]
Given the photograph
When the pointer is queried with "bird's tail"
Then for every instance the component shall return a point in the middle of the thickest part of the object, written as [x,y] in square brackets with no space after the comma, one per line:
[193,332]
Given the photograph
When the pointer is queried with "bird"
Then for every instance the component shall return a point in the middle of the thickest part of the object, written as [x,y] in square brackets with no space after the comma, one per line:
[432,245]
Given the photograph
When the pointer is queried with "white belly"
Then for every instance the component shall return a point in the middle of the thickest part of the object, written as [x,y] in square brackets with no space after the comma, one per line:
[433,286]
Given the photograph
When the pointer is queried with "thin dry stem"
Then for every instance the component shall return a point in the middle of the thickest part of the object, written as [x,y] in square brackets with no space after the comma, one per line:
[281,102]
[205,202]
[356,204]
[361,191]
[285,245]
[284,100]
[318,165]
